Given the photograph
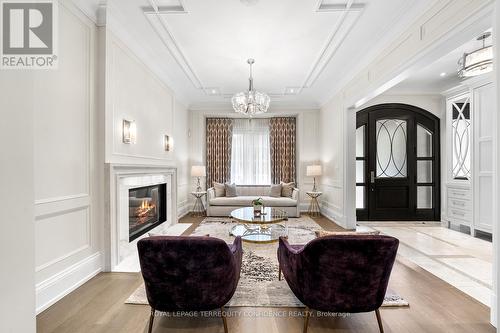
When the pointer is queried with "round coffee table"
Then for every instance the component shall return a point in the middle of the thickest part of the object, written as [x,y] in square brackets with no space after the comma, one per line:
[263,228]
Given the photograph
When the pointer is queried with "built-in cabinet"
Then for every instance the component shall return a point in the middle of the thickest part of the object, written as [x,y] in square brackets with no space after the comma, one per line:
[470,117]
[483,99]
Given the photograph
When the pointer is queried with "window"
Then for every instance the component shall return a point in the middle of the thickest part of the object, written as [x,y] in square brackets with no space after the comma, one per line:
[251,152]
[461,145]
[361,160]
[425,166]
[391,148]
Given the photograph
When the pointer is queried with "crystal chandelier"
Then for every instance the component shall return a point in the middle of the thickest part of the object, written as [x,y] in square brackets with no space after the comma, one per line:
[477,62]
[250,102]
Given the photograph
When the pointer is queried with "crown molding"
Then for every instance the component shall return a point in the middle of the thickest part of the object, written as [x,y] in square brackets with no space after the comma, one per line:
[414,22]
[386,38]
[87,8]
[135,47]
[335,40]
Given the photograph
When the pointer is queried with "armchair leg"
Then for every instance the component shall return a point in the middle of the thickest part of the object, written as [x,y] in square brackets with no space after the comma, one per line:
[379,321]
[224,319]
[279,273]
[306,319]
[151,320]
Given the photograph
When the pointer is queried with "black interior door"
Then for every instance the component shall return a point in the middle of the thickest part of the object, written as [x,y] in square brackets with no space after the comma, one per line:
[398,167]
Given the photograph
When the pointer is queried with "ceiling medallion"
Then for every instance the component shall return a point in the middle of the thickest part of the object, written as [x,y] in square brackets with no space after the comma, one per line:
[250,102]
[477,62]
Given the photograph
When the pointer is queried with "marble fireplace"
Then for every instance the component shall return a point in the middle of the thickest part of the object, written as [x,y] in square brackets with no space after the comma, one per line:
[141,201]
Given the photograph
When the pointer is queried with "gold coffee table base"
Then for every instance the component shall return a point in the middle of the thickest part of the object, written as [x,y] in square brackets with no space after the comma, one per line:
[266,227]
[258,233]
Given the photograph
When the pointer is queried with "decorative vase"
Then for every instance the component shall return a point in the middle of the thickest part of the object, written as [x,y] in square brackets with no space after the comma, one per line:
[257,209]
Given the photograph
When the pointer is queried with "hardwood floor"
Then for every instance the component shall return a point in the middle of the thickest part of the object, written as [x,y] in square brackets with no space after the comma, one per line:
[435,306]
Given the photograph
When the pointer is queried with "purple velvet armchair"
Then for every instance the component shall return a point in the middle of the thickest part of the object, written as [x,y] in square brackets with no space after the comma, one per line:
[344,273]
[189,273]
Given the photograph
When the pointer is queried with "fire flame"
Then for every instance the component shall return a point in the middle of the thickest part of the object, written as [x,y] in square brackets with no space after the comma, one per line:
[145,208]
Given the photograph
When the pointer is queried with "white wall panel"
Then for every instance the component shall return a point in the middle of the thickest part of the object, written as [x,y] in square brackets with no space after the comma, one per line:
[483,169]
[67,164]
[61,236]
[181,151]
[62,115]
[332,152]
[135,93]
[17,249]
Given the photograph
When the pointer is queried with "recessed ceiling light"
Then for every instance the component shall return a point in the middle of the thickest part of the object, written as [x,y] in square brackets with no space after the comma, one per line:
[292,90]
[442,74]
[212,91]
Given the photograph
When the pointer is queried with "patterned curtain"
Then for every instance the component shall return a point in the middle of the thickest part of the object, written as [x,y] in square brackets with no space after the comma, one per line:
[219,136]
[283,140]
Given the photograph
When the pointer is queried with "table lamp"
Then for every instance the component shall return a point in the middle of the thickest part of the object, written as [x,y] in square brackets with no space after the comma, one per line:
[198,171]
[314,171]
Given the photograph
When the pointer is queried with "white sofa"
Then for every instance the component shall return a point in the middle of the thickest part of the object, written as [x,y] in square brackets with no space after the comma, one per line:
[222,206]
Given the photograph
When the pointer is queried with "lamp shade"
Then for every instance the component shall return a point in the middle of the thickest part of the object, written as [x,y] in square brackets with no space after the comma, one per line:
[198,171]
[314,170]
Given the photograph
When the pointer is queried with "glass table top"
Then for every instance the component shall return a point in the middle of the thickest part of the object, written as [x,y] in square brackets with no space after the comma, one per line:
[269,215]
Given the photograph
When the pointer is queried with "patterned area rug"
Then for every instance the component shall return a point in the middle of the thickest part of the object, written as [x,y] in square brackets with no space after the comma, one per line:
[259,285]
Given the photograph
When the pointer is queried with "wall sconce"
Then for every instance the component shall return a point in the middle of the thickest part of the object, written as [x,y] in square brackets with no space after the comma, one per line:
[129,131]
[168,142]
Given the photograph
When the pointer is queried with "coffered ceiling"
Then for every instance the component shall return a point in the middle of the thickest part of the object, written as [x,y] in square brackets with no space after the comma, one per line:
[304,50]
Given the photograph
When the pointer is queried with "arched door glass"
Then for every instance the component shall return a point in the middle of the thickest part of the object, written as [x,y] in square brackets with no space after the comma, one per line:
[391,148]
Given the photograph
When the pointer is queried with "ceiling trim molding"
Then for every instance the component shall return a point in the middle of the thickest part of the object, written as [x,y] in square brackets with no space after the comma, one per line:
[87,9]
[156,16]
[387,38]
[136,48]
[157,21]
[280,106]
[331,47]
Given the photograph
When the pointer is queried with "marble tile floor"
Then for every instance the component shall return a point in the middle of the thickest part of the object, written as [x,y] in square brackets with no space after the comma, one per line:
[131,262]
[459,259]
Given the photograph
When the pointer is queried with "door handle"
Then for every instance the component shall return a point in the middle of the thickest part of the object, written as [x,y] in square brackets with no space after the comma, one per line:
[372,181]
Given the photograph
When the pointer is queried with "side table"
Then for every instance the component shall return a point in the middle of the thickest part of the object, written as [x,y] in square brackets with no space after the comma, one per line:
[314,209]
[198,208]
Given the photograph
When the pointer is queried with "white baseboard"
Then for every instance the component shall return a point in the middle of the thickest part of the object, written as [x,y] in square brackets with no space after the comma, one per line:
[56,287]
[182,211]
[333,215]
[493,310]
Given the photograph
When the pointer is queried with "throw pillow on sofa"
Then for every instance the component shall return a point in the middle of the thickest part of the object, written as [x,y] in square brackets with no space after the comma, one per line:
[220,189]
[275,191]
[287,189]
[230,190]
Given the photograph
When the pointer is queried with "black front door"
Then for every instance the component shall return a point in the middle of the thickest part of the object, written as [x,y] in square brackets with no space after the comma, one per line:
[398,165]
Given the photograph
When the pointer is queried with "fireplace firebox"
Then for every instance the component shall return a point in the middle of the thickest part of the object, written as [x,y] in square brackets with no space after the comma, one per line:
[147,209]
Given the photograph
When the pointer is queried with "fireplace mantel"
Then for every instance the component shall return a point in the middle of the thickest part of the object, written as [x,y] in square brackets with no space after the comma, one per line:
[120,178]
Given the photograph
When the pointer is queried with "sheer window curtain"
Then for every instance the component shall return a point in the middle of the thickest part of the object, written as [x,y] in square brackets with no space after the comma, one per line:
[251,152]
